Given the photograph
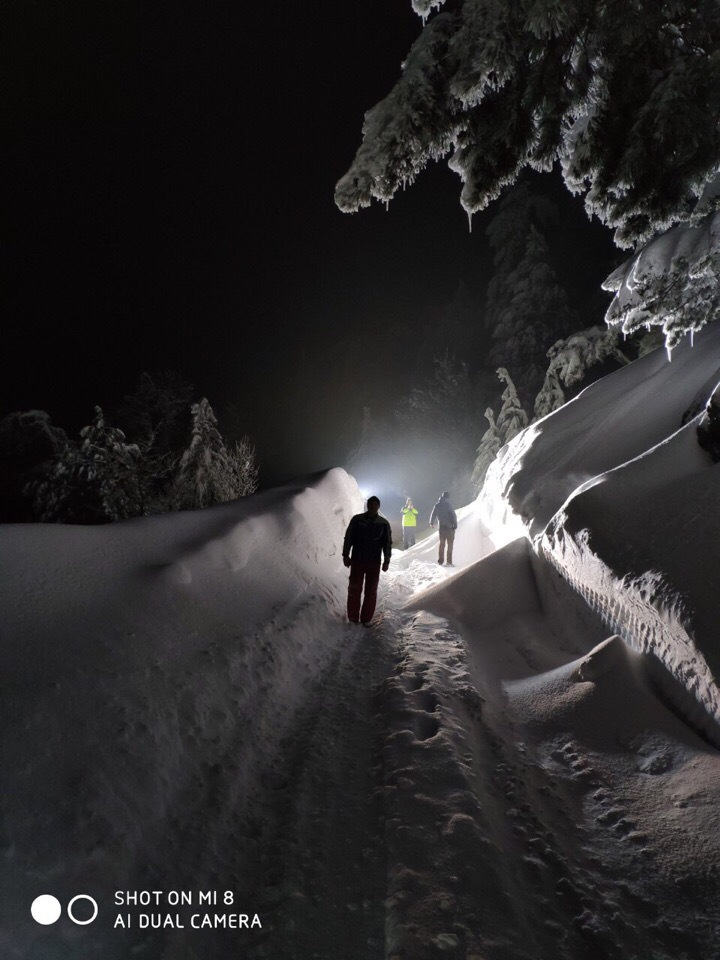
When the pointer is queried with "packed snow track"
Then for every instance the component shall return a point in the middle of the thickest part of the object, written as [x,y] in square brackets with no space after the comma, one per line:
[519,762]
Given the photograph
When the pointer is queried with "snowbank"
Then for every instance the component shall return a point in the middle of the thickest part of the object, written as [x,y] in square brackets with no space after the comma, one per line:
[615,490]
[150,668]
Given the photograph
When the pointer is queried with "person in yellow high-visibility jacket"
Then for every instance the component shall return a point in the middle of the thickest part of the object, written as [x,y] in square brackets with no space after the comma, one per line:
[409,523]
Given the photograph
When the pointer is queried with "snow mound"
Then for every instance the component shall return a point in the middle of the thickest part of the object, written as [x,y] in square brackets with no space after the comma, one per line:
[610,423]
[495,585]
[150,669]
[604,699]
[616,491]
[517,616]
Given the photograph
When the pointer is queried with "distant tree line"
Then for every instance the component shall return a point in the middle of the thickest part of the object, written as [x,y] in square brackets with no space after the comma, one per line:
[163,452]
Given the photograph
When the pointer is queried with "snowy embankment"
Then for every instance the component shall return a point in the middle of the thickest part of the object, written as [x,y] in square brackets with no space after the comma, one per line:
[150,669]
[587,642]
[617,493]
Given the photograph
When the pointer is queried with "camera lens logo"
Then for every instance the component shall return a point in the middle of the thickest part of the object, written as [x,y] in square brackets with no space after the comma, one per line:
[46,909]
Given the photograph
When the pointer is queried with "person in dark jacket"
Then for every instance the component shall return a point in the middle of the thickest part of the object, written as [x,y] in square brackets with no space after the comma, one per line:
[368,542]
[445,517]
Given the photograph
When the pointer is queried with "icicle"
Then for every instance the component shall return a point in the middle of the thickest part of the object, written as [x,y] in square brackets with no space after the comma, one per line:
[668,348]
[692,336]
[469,221]
[424,18]
[387,206]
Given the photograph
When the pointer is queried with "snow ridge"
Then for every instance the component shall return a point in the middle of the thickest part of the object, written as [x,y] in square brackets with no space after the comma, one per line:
[615,490]
[649,616]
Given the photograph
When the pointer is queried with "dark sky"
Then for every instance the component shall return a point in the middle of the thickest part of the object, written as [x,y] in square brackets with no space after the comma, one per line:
[168,203]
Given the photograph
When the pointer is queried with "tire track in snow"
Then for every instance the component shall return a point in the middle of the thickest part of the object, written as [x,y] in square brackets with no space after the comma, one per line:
[319,859]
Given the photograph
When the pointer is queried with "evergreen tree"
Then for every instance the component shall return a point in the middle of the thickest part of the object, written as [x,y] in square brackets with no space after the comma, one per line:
[155,416]
[672,283]
[208,473]
[601,86]
[243,468]
[527,307]
[372,443]
[487,451]
[29,445]
[152,415]
[571,359]
[512,418]
[459,323]
[551,396]
[625,95]
[94,481]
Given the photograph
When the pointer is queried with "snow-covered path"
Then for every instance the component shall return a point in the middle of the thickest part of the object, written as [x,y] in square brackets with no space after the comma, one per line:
[591,813]
[490,774]
[317,836]
[421,806]
[543,817]
[481,789]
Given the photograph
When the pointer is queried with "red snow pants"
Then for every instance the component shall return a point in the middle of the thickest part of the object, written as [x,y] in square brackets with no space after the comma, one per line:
[359,572]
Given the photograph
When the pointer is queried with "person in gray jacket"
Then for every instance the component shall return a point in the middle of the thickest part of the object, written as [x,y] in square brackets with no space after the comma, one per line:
[445,517]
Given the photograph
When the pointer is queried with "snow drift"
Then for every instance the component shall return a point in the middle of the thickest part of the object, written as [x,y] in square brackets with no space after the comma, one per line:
[616,491]
[150,670]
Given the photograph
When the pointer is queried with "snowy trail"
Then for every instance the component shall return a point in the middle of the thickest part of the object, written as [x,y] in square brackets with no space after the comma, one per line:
[318,845]
[483,775]
[411,811]
[561,800]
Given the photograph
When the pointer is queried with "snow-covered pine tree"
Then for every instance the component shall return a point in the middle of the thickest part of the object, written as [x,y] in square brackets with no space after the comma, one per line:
[29,445]
[625,95]
[243,465]
[551,396]
[512,418]
[571,359]
[672,283]
[487,451]
[208,473]
[155,416]
[150,415]
[95,481]
[527,307]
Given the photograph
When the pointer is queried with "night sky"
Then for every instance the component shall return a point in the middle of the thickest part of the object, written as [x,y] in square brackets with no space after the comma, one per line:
[168,203]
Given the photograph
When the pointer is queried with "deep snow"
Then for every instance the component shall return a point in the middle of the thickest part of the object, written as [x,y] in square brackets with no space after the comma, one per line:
[518,762]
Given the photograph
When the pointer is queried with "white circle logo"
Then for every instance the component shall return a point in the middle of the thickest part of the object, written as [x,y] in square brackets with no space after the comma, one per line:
[82,896]
[45,909]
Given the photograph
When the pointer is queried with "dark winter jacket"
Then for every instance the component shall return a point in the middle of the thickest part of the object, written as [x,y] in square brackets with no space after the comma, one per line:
[443,514]
[369,537]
